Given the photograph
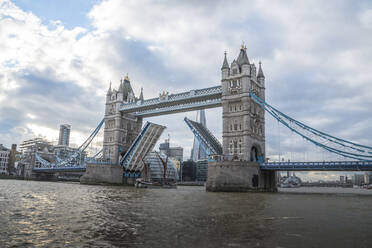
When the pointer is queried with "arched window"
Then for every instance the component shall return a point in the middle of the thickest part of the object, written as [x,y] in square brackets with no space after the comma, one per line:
[231,147]
[235,125]
[240,146]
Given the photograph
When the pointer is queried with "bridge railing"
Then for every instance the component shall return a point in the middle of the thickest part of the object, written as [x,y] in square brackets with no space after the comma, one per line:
[324,165]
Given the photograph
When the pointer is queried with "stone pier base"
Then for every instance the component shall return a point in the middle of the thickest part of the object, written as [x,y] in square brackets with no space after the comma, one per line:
[102,174]
[239,176]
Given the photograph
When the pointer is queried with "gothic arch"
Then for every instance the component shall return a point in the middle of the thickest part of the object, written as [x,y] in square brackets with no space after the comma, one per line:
[255,153]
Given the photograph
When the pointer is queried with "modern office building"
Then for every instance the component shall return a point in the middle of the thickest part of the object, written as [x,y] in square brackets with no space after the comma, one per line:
[202,170]
[172,152]
[157,169]
[64,135]
[188,171]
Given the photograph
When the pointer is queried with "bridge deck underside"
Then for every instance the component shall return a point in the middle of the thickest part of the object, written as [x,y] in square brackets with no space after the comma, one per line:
[319,166]
[142,145]
[57,169]
[206,136]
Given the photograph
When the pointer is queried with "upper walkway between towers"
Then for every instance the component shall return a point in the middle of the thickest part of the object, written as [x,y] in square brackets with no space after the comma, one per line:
[175,103]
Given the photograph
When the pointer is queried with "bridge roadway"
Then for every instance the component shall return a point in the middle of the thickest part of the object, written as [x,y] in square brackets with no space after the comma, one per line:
[175,103]
[59,169]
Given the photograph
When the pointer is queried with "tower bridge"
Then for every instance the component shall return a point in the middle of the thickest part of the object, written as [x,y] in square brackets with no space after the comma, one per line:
[238,164]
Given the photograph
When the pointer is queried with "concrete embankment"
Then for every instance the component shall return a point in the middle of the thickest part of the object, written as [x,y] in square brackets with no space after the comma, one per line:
[2,176]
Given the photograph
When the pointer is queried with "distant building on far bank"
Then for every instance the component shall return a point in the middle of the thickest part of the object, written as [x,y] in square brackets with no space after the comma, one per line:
[358,179]
[202,170]
[4,159]
[172,152]
[188,171]
[64,135]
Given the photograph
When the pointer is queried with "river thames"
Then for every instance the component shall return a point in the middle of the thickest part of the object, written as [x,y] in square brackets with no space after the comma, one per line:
[50,214]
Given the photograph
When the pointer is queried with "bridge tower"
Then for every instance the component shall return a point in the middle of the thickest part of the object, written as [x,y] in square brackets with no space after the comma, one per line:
[243,131]
[120,129]
[243,119]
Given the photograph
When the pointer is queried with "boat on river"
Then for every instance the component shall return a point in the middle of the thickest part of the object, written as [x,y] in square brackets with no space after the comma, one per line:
[163,181]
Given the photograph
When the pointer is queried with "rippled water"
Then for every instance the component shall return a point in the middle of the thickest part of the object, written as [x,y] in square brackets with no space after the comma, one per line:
[48,214]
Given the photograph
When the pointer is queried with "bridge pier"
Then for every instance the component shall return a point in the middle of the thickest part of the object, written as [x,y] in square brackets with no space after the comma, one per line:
[103,173]
[239,176]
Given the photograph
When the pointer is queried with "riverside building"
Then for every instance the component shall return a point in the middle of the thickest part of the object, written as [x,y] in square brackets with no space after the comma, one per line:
[4,159]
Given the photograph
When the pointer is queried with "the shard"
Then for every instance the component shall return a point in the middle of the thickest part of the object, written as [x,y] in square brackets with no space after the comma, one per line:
[197,152]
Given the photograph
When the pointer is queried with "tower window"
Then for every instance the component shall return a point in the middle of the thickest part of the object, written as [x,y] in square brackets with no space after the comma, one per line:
[235,146]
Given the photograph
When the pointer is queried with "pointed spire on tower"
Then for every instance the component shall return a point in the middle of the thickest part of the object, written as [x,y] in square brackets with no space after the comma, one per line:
[121,86]
[225,65]
[109,90]
[127,77]
[260,72]
[141,95]
[243,58]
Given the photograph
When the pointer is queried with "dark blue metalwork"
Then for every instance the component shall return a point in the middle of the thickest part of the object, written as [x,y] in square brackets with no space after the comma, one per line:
[208,142]
[73,161]
[126,159]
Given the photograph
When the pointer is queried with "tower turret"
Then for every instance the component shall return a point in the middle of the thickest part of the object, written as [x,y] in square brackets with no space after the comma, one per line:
[260,75]
[141,95]
[127,88]
[108,94]
[243,60]
[225,68]
[120,91]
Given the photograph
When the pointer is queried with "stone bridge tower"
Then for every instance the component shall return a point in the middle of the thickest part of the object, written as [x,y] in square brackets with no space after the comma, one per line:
[120,129]
[243,131]
[243,119]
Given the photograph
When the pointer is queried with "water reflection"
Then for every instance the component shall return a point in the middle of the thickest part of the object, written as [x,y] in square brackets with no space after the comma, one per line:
[43,214]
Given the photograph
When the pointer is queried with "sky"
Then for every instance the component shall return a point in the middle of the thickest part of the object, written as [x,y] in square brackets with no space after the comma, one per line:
[58,57]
